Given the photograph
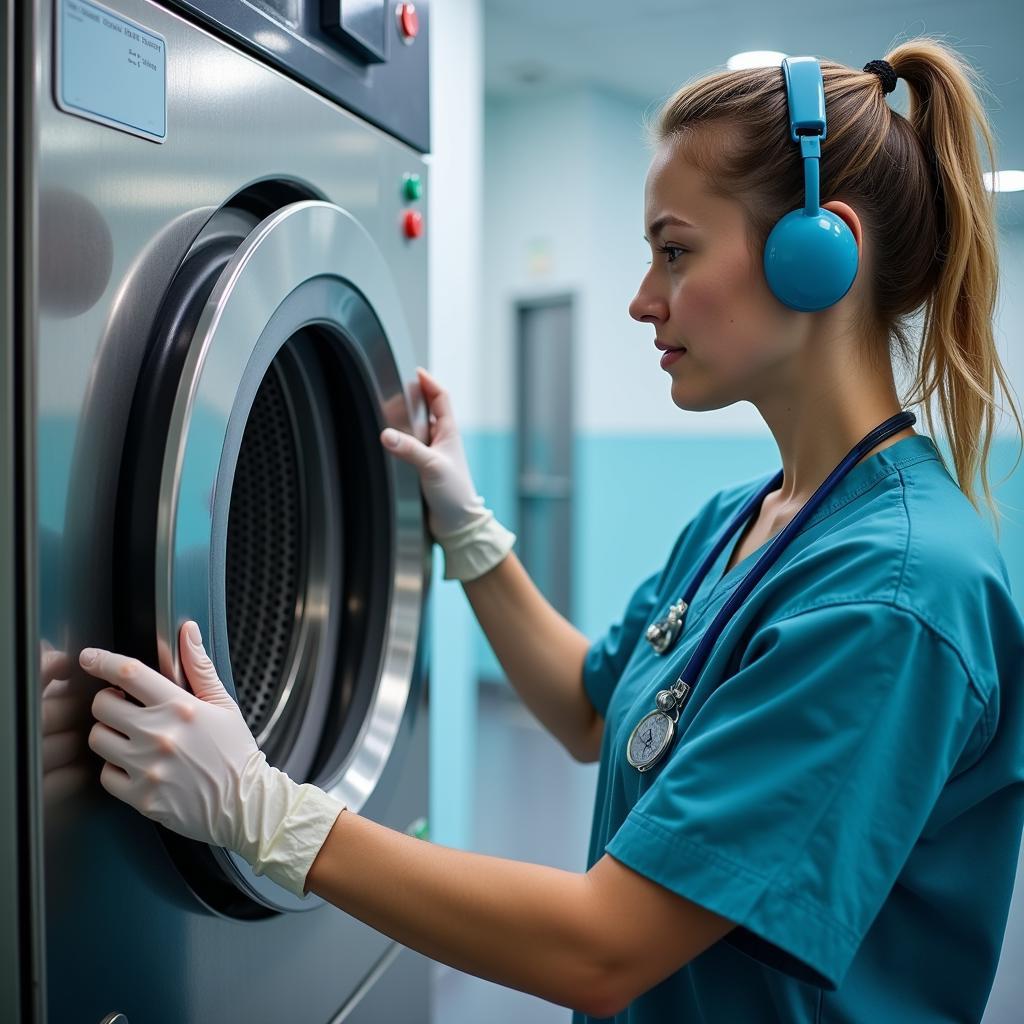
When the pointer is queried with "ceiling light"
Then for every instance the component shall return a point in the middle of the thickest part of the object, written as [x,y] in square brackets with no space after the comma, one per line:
[755,59]
[1005,181]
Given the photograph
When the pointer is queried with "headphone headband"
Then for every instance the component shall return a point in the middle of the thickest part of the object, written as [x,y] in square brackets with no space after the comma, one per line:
[806,93]
[810,257]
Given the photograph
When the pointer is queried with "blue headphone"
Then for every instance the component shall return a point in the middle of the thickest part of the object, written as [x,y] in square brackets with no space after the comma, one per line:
[810,257]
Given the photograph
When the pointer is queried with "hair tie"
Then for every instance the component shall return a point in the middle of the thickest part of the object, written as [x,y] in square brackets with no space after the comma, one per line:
[885,72]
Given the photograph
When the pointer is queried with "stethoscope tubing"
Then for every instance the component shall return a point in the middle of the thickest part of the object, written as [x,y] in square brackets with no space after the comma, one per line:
[697,660]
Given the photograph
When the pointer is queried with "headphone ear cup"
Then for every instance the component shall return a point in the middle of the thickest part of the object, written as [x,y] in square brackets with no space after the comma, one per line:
[810,262]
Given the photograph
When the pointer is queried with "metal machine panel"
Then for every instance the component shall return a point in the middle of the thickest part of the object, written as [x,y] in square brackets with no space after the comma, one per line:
[110,218]
[355,53]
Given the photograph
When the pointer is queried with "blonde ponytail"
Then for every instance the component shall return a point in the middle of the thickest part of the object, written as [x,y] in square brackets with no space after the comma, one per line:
[957,362]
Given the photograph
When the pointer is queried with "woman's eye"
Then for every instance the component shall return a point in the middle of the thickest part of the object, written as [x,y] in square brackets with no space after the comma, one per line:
[672,252]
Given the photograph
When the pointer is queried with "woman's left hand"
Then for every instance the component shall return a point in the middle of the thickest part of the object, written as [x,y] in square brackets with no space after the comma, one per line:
[181,758]
[189,762]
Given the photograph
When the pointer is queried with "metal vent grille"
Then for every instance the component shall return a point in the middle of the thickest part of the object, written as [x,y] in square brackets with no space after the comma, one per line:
[263,552]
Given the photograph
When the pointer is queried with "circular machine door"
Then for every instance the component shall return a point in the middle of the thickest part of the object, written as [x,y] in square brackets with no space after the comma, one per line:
[256,498]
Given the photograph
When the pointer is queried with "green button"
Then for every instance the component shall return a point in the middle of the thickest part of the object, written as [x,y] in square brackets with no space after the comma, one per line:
[420,829]
[413,187]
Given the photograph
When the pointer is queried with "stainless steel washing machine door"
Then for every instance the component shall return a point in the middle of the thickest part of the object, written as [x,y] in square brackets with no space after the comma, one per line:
[256,497]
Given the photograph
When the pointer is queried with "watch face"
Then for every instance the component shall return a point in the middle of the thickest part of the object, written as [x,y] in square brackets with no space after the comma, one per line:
[649,740]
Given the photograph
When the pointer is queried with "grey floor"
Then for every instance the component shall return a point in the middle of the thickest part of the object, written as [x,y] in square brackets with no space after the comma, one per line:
[533,803]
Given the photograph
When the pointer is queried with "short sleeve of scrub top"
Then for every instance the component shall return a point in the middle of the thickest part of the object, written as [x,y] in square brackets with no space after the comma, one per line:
[800,783]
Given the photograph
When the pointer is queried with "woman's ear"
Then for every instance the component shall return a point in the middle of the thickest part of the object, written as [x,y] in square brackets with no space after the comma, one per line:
[849,216]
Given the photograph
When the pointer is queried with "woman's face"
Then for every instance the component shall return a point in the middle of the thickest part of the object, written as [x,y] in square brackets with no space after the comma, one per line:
[705,296]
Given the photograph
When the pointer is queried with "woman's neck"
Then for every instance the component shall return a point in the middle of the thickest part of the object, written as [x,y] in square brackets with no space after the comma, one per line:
[815,431]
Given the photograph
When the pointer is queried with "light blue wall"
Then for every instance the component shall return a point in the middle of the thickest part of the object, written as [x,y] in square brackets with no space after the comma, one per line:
[454,669]
[632,496]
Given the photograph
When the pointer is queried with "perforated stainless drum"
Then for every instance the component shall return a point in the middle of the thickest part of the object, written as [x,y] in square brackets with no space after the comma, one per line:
[265,557]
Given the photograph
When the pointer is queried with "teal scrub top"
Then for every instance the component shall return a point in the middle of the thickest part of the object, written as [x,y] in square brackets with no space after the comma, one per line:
[847,778]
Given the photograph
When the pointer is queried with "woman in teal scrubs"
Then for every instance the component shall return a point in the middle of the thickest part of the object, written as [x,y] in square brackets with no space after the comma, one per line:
[829,828]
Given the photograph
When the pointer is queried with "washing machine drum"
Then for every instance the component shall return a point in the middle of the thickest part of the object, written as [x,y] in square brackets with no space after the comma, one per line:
[255,496]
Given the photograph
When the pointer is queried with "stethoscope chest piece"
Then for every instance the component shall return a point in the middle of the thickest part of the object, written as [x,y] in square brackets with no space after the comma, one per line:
[663,634]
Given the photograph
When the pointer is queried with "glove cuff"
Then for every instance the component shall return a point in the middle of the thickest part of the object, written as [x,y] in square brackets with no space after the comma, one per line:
[475,548]
[285,825]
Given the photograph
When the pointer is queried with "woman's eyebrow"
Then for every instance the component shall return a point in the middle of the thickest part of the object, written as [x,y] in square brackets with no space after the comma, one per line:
[664,221]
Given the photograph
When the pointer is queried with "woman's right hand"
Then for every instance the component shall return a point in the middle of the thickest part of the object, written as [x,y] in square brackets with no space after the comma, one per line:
[447,486]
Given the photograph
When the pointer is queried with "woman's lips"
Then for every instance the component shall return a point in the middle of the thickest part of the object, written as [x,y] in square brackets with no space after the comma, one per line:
[669,357]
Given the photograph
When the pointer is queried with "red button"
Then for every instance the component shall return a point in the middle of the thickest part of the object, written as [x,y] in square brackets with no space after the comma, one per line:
[413,223]
[408,20]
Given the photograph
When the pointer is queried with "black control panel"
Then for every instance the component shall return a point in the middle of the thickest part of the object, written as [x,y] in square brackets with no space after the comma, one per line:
[368,55]
[360,25]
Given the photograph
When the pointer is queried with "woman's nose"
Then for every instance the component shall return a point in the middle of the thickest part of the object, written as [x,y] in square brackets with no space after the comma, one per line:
[646,306]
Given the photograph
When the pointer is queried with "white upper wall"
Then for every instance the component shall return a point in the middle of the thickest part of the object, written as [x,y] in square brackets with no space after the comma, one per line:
[622,388]
[563,201]
[455,201]
[534,167]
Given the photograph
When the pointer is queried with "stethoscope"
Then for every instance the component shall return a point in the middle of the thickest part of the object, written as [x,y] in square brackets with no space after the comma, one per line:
[653,734]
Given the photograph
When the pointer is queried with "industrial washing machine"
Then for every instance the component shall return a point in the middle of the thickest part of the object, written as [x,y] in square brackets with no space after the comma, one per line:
[215,297]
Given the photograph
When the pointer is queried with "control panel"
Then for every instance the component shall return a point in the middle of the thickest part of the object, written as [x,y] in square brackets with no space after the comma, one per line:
[368,55]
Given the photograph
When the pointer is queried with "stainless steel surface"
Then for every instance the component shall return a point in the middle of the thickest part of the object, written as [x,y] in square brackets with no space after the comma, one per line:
[294,34]
[392,992]
[22,996]
[283,692]
[233,346]
[115,215]
[379,968]
[260,301]
[13,959]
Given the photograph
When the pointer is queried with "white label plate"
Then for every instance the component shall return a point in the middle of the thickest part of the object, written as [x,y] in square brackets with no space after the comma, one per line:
[111,70]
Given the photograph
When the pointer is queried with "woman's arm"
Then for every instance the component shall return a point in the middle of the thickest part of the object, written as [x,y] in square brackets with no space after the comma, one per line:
[541,652]
[592,941]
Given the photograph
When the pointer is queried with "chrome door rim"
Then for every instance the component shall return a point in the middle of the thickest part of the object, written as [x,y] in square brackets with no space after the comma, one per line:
[230,354]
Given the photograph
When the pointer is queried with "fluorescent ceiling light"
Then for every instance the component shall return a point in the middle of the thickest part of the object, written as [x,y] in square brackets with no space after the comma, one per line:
[755,59]
[1005,181]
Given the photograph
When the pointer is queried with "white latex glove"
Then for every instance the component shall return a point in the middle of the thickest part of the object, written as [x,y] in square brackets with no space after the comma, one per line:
[189,762]
[472,539]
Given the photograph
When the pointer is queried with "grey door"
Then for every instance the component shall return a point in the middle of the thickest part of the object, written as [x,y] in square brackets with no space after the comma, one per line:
[544,438]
